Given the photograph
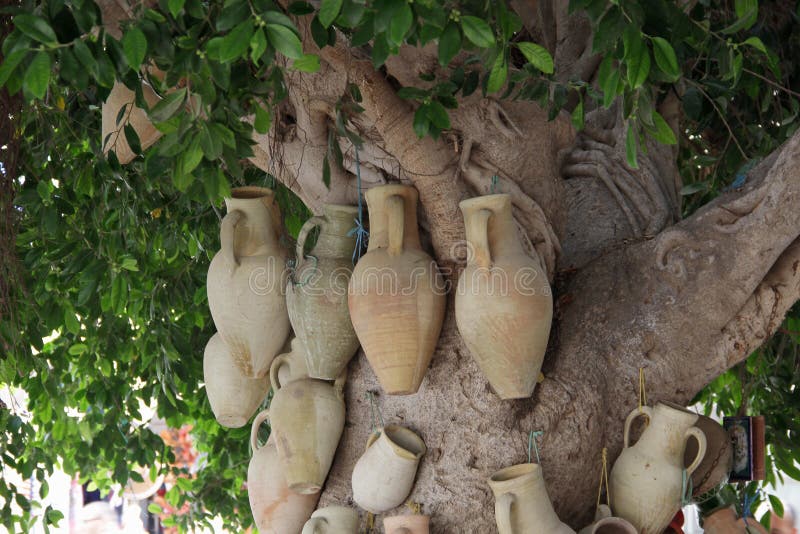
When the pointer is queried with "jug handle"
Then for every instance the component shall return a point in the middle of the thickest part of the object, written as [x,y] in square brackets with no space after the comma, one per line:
[226,236]
[483,255]
[338,384]
[502,512]
[313,524]
[279,360]
[309,225]
[260,418]
[701,447]
[395,209]
[372,437]
[644,410]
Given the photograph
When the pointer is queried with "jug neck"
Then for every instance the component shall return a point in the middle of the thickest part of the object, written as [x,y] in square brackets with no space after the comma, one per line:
[489,220]
[383,220]
[666,433]
[333,240]
[526,482]
[259,229]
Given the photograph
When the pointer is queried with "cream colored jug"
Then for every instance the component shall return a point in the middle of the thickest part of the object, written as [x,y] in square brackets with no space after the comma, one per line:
[332,520]
[233,397]
[396,294]
[522,505]
[384,475]
[276,509]
[647,480]
[605,523]
[290,366]
[114,139]
[504,305]
[307,418]
[407,524]
[246,281]
[317,296]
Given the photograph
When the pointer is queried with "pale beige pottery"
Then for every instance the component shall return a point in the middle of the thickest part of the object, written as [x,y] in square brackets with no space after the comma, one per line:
[290,366]
[725,522]
[332,520]
[113,134]
[233,397]
[396,294]
[717,462]
[522,505]
[407,524]
[307,419]
[317,296]
[606,523]
[276,509]
[646,481]
[504,305]
[384,475]
[246,281]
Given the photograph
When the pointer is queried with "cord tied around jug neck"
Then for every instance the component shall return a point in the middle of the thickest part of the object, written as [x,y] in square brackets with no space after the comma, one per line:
[533,445]
[361,233]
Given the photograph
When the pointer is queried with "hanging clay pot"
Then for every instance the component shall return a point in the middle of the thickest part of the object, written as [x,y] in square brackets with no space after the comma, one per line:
[397,295]
[114,138]
[246,281]
[504,305]
[317,296]
[717,461]
[647,482]
[276,509]
[307,418]
[407,524]
[332,520]
[384,475]
[605,523]
[290,366]
[724,521]
[522,505]
[233,397]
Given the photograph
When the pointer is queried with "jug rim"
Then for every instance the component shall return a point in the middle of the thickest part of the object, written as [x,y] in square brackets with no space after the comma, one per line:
[251,192]
[676,407]
[509,476]
[494,200]
[405,442]
[387,190]
[344,209]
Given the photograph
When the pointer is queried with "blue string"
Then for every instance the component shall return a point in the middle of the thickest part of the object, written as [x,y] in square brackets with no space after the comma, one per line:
[493,189]
[748,504]
[532,444]
[362,235]
[686,489]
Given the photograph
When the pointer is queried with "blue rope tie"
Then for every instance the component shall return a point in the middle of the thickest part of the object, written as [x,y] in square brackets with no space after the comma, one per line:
[361,233]
[686,489]
[533,445]
[748,504]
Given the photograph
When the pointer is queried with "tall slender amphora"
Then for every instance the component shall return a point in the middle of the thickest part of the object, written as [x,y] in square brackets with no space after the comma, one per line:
[246,281]
[504,305]
[647,480]
[396,295]
[317,296]
[522,505]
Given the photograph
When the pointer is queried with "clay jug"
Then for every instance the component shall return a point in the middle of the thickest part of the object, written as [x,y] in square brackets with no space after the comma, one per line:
[317,296]
[605,523]
[407,524]
[307,418]
[233,397]
[646,482]
[504,305]
[522,505]
[384,475]
[717,461]
[276,509]
[289,366]
[114,139]
[332,520]
[396,294]
[246,281]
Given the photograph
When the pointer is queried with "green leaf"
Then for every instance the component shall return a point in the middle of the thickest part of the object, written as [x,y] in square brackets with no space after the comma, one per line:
[133,139]
[175,7]
[71,322]
[632,42]
[154,508]
[666,59]
[538,56]
[477,31]
[85,57]
[307,63]
[326,172]
[134,44]
[498,74]
[776,504]
[328,11]
[36,28]
[258,45]
[400,24]
[285,41]
[78,348]
[631,148]
[236,42]
[756,43]
[119,294]
[37,75]
[191,157]
[10,63]
[130,264]
[167,107]
[638,64]
[578,115]
[746,11]
[449,43]
[421,122]
[663,133]
[262,121]
[438,115]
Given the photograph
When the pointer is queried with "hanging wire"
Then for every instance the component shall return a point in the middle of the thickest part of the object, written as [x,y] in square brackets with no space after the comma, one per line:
[533,445]
[493,188]
[642,390]
[362,235]
[604,479]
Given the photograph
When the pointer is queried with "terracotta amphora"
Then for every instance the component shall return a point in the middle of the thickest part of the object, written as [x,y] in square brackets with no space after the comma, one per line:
[246,281]
[717,462]
[647,480]
[276,509]
[233,397]
[307,418]
[396,294]
[289,366]
[504,305]
[522,505]
[114,139]
[724,521]
[407,524]
[384,475]
[317,295]
[606,523]
[332,520]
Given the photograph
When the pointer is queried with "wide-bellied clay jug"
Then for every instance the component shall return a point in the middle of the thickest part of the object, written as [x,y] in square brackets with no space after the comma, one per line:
[307,419]
[246,281]
[316,296]
[647,483]
[289,366]
[397,295]
[717,462]
[522,505]
[504,305]
[407,524]
[113,130]
[332,520]
[384,475]
[233,397]
[606,523]
[276,509]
